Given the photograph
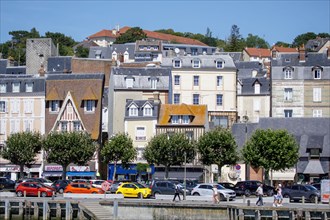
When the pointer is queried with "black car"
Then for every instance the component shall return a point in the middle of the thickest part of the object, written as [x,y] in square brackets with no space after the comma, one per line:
[249,187]
[59,185]
[297,191]
[6,184]
[163,187]
[227,185]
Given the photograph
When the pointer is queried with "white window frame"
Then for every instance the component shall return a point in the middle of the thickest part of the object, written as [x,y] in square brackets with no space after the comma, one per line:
[194,99]
[177,80]
[317,113]
[28,125]
[3,127]
[317,94]
[196,80]
[15,106]
[288,94]
[54,105]
[15,87]
[153,83]
[176,98]
[3,87]
[14,125]
[256,105]
[317,73]
[287,73]
[175,119]
[256,88]
[29,87]
[196,64]
[89,105]
[219,64]
[147,110]
[3,106]
[64,126]
[219,99]
[140,133]
[185,119]
[76,125]
[288,113]
[219,81]
[177,63]
[133,111]
[129,82]
[28,106]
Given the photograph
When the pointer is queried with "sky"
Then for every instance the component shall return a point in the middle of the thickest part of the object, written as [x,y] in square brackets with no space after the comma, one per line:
[273,20]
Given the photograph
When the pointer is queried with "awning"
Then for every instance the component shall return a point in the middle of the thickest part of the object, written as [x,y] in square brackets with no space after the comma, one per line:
[178,175]
[287,174]
[314,167]
[52,173]
[80,174]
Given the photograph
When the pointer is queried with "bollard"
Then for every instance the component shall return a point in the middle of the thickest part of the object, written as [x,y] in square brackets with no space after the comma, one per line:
[303,200]
[227,198]
[38,194]
[53,195]
[115,208]
[7,209]
[24,194]
[248,202]
[44,210]
[316,200]
[67,210]
[244,199]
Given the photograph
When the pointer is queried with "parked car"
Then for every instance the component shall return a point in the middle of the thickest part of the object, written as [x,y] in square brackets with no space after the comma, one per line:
[38,180]
[249,188]
[227,185]
[317,185]
[134,190]
[82,188]
[297,191]
[96,183]
[164,187]
[32,189]
[59,185]
[6,184]
[205,189]
[79,181]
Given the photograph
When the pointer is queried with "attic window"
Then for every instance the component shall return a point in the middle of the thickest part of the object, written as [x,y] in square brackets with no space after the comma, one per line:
[196,63]
[219,64]
[287,60]
[133,111]
[177,63]
[129,82]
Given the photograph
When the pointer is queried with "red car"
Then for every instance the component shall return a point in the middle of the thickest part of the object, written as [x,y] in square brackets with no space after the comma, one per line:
[32,189]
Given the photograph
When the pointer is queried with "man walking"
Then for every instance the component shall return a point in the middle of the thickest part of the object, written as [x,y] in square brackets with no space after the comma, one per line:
[176,192]
[215,194]
[260,193]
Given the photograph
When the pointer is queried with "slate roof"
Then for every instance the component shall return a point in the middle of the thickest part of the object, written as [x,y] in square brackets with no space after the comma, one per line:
[59,64]
[248,86]
[245,69]
[207,62]
[311,59]
[20,70]
[3,66]
[141,77]
[316,44]
[197,112]
[38,84]
[257,52]
[140,104]
[106,52]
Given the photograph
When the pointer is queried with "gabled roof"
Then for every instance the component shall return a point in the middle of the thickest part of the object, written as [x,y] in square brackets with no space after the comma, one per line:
[104,33]
[257,52]
[199,112]
[284,49]
[53,95]
[89,94]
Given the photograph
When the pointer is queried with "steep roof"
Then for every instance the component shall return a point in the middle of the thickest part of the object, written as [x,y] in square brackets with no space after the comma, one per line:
[258,52]
[284,49]
[104,33]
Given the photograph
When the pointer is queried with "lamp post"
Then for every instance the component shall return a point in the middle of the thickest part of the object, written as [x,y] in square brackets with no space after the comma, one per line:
[185,175]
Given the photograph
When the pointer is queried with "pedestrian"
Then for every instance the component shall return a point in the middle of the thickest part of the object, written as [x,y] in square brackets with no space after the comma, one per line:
[260,194]
[215,194]
[279,195]
[176,192]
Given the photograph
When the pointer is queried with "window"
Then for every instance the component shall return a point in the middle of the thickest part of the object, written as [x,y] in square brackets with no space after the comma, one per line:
[175,119]
[3,106]
[176,80]
[194,51]
[153,83]
[288,74]
[256,88]
[54,106]
[76,126]
[196,64]
[219,64]
[317,113]
[147,111]
[28,105]
[29,87]
[2,127]
[177,64]
[196,80]
[176,98]
[15,87]
[219,121]
[256,105]
[219,99]
[185,119]
[129,82]
[28,125]
[317,94]
[89,105]
[196,99]
[64,126]
[219,80]
[314,153]
[317,74]
[3,88]
[14,105]
[133,111]
[140,150]
[288,94]
[140,134]
[14,125]
[288,113]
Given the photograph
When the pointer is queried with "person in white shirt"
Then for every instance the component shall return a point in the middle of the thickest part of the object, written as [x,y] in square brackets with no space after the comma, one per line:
[260,193]
[215,194]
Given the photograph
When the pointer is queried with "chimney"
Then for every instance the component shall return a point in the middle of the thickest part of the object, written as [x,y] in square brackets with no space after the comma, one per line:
[156,97]
[41,70]
[302,54]
[328,53]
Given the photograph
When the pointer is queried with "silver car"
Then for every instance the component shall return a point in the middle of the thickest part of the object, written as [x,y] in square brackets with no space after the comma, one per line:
[205,189]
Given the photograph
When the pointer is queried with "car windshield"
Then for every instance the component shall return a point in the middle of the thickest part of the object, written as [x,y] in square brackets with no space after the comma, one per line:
[310,187]
[139,185]
[220,187]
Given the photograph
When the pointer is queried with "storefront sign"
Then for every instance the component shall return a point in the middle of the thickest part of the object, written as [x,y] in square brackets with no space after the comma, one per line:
[79,169]
[15,169]
[53,168]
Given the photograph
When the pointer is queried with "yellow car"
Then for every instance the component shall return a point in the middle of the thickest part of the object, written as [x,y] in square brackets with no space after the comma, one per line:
[134,190]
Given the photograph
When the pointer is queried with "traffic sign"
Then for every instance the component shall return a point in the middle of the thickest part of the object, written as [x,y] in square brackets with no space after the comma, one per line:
[105,186]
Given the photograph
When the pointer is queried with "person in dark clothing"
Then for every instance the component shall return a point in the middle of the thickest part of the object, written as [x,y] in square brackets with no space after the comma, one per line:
[176,192]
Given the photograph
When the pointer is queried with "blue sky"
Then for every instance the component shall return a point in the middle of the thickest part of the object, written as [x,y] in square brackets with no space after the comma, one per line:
[274,21]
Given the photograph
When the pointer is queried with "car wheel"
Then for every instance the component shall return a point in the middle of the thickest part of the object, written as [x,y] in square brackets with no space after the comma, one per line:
[68,192]
[140,196]
[196,194]
[222,197]
[93,192]
[19,193]
[287,196]
[61,191]
[156,193]
[43,194]
[312,198]
[247,192]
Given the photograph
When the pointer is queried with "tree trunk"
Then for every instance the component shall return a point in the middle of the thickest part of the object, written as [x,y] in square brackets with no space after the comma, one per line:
[114,171]
[166,171]
[21,171]
[64,171]
[219,173]
[266,176]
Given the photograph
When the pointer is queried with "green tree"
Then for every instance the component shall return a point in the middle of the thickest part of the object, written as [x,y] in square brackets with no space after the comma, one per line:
[169,150]
[235,42]
[131,35]
[303,38]
[256,41]
[208,39]
[64,148]
[141,167]
[323,35]
[282,44]
[118,148]
[22,148]
[82,52]
[218,147]
[65,42]
[271,149]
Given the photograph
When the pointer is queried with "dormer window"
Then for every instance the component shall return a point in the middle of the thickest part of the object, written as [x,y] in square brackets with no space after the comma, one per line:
[98,54]
[256,88]
[114,55]
[185,119]
[153,82]
[180,119]
[3,88]
[133,111]
[129,82]
[175,119]
[89,105]
[196,63]
[15,87]
[147,110]
[288,72]
[317,73]
[219,64]
[54,105]
[29,87]
[177,64]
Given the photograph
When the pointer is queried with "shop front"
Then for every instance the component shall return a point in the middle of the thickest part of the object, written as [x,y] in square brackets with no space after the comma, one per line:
[12,171]
[80,172]
[130,173]
[52,172]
